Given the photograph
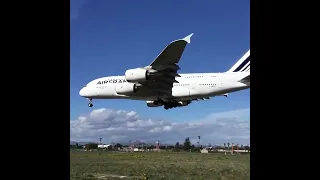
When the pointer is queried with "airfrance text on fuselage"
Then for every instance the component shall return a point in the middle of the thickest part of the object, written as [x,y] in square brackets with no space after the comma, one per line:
[112,81]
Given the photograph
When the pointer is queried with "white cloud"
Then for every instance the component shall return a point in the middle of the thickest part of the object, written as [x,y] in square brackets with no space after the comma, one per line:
[122,126]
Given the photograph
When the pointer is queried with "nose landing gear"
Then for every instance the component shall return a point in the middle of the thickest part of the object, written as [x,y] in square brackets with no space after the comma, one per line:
[90,102]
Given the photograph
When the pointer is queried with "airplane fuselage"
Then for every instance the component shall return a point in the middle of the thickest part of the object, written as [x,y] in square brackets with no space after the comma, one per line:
[189,86]
[160,84]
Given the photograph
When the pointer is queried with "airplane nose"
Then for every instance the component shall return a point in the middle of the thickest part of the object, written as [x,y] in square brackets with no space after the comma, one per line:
[82,92]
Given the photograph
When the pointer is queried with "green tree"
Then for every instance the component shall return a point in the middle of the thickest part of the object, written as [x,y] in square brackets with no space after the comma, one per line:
[118,145]
[187,144]
[91,146]
[177,145]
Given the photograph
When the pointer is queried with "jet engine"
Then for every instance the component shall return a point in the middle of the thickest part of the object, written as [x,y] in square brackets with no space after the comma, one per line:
[154,103]
[126,88]
[137,75]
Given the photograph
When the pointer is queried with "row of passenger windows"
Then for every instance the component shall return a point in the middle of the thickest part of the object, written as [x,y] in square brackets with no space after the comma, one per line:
[199,84]
[193,76]
[208,84]
[181,84]
[173,85]
[196,76]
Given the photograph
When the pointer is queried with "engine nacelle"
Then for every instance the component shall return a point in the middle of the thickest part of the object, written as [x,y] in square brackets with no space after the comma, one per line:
[154,103]
[137,75]
[126,88]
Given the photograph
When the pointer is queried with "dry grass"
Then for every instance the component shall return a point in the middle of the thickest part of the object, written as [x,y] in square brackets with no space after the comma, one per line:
[155,165]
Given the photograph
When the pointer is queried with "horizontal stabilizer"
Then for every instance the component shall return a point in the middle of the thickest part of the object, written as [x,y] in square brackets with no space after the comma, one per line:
[246,79]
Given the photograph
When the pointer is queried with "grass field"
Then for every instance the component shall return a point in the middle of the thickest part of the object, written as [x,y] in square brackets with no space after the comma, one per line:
[155,165]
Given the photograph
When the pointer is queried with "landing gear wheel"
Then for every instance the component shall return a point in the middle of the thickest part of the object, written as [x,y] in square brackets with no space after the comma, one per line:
[166,107]
[90,102]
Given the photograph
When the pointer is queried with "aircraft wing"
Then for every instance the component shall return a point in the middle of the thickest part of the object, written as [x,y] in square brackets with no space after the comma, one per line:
[166,66]
[163,69]
[172,53]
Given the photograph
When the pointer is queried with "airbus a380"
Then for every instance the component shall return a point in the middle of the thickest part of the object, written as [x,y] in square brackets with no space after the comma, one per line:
[160,84]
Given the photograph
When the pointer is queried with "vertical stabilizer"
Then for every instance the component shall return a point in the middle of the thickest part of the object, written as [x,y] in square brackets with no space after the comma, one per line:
[243,64]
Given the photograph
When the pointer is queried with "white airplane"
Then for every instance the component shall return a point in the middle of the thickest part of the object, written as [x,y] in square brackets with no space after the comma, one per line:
[159,84]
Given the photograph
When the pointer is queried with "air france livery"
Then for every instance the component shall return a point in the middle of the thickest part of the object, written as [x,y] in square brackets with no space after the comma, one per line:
[160,84]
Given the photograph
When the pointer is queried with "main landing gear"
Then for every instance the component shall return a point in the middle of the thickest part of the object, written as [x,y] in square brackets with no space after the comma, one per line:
[174,104]
[90,102]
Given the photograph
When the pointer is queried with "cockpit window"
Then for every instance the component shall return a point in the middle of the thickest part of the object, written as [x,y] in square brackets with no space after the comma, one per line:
[90,83]
[93,83]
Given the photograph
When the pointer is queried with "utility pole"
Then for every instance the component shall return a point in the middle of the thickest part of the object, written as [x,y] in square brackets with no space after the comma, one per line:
[232,148]
[158,145]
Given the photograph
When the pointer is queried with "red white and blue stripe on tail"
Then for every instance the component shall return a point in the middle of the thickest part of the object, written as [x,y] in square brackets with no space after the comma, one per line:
[243,65]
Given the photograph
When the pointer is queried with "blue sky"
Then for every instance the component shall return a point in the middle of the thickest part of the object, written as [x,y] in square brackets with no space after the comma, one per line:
[109,37]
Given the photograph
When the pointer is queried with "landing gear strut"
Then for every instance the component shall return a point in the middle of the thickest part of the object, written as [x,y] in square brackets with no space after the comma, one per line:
[90,102]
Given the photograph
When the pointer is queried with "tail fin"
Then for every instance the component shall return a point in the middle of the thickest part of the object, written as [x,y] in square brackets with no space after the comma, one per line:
[243,65]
